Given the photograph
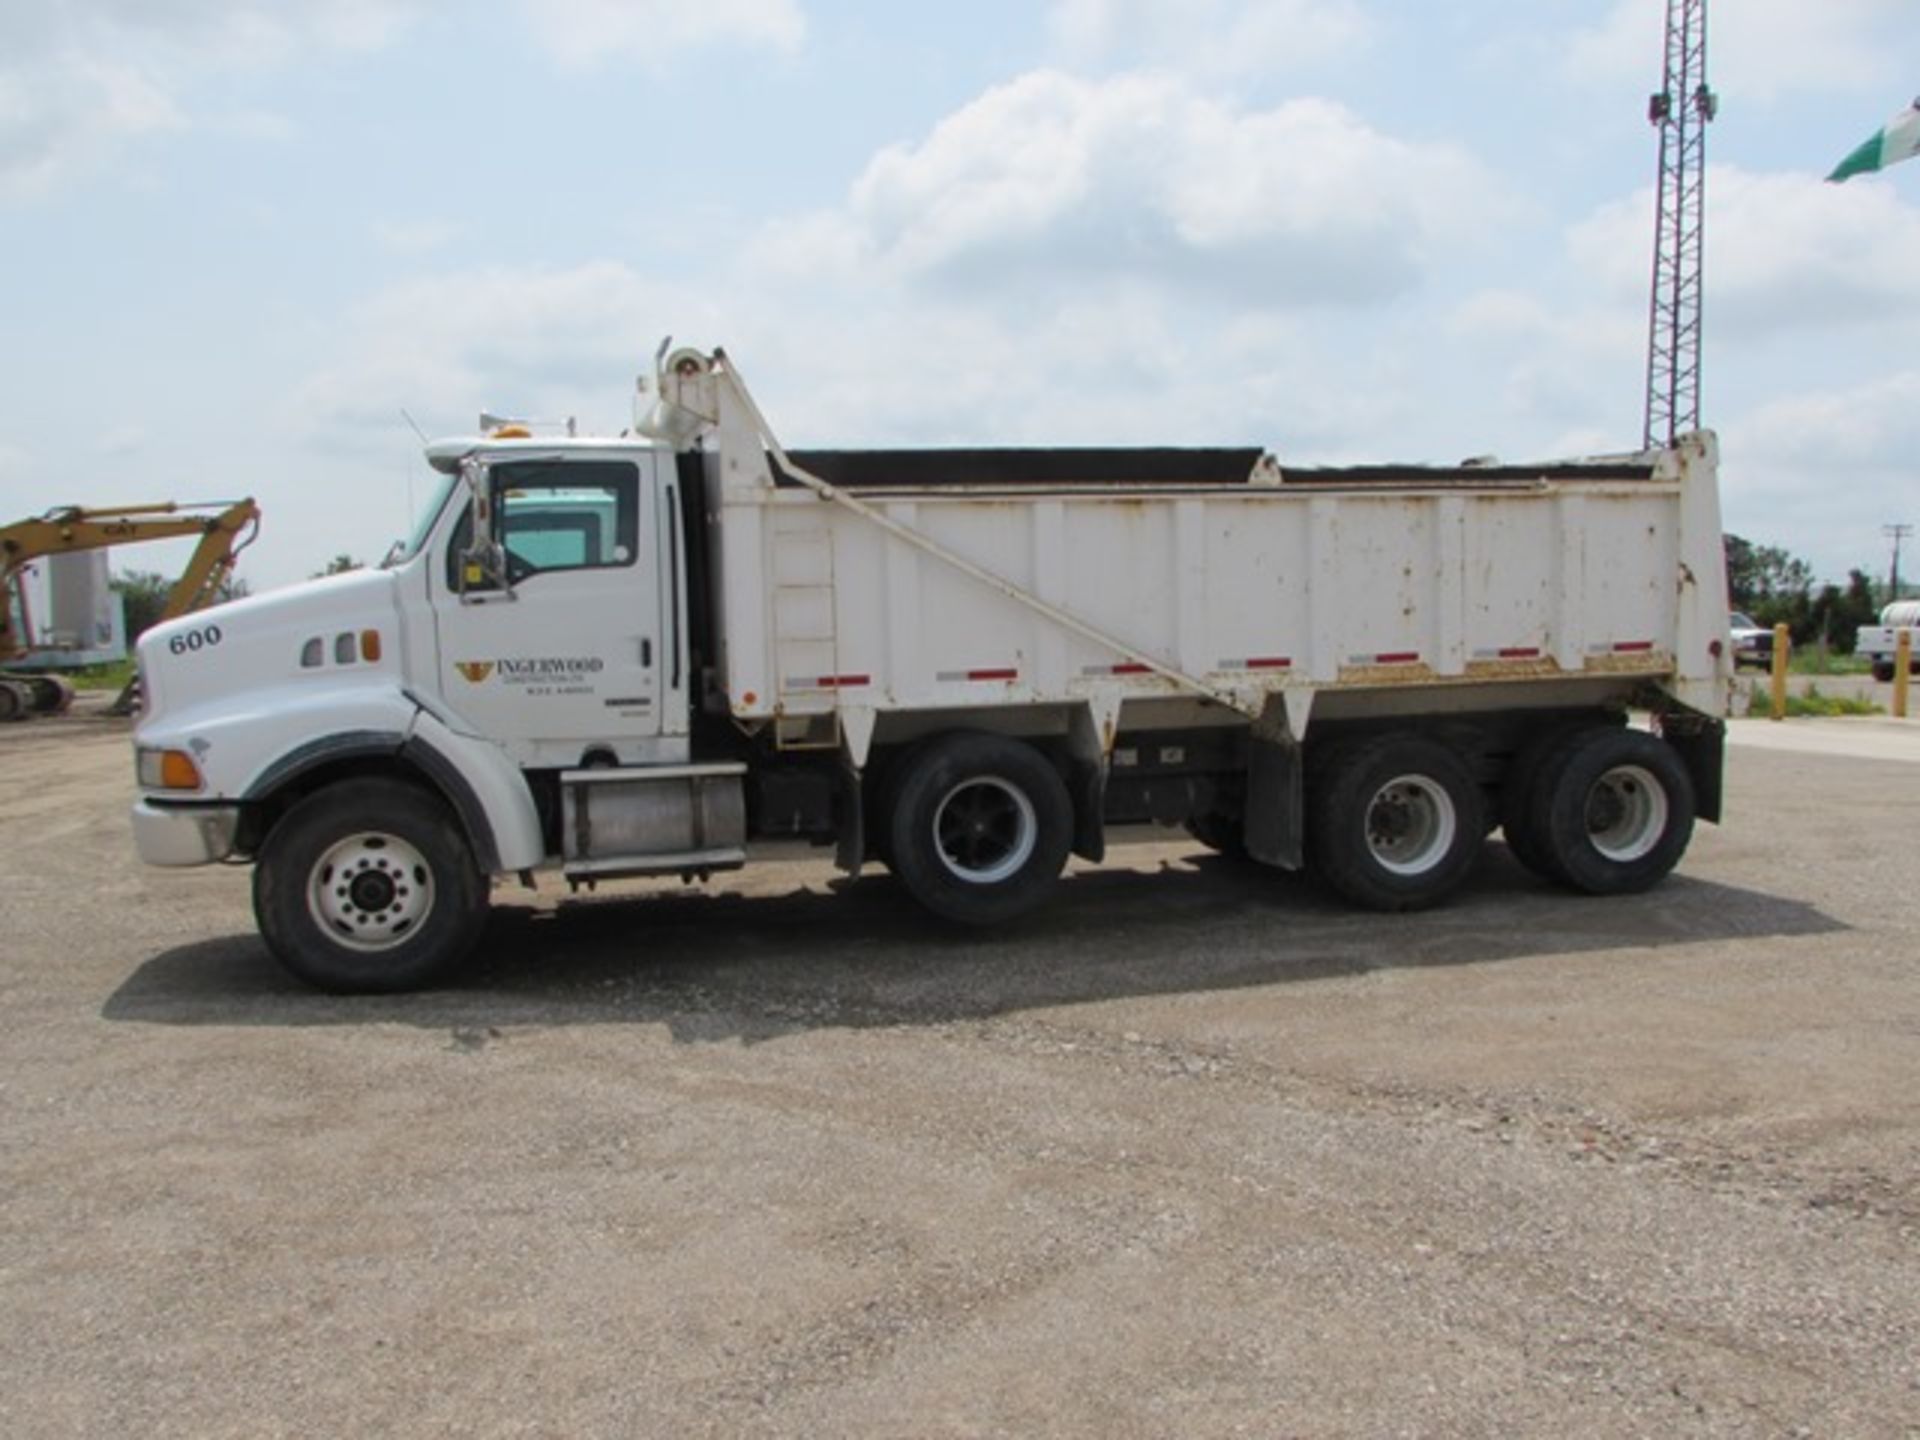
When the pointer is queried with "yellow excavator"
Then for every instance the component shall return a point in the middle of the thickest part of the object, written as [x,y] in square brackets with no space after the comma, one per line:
[225,528]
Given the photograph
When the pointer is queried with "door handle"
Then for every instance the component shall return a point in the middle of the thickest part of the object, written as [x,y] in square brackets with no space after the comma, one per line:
[646,654]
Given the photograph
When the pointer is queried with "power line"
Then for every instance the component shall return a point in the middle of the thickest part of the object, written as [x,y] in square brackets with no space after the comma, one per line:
[1895,533]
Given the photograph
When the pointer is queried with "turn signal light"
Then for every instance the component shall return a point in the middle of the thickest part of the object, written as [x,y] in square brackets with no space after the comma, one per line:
[370,646]
[168,770]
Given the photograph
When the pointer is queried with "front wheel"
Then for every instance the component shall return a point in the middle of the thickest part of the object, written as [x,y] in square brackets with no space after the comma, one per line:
[1394,823]
[1883,671]
[369,886]
[980,828]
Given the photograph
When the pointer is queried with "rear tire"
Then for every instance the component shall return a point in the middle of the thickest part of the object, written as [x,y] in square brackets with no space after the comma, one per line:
[1394,823]
[1526,844]
[1615,809]
[369,887]
[1883,671]
[979,828]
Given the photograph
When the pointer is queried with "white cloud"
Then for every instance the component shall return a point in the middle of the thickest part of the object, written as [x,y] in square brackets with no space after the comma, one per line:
[56,117]
[534,341]
[1862,425]
[1785,252]
[1821,471]
[78,81]
[1230,37]
[586,32]
[1763,49]
[1052,182]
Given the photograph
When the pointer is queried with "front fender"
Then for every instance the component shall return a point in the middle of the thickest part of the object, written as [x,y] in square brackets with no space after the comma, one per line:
[487,789]
[248,750]
[246,755]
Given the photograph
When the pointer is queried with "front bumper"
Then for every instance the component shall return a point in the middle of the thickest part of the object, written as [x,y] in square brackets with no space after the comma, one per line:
[177,835]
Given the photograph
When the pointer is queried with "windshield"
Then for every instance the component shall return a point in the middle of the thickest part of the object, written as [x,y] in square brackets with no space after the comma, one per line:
[405,550]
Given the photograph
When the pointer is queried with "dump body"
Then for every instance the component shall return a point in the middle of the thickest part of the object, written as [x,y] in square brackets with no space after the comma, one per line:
[1576,582]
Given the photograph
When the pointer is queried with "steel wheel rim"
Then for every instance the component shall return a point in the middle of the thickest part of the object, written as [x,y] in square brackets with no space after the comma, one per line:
[1626,813]
[1411,821]
[985,829]
[371,891]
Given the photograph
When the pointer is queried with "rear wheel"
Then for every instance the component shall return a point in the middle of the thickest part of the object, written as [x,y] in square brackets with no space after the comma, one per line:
[979,828]
[1883,670]
[1394,823]
[369,886]
[1614,808]
[1524,842]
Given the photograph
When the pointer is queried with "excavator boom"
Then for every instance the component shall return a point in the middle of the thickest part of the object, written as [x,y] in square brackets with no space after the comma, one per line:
[225,529]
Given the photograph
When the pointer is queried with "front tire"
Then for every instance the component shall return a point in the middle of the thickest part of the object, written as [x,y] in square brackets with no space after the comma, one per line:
[1394,823]
[1614,808]
[979,828]
[367,887]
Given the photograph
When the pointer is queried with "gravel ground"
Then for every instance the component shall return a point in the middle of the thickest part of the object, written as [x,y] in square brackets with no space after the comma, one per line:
[1196,1153]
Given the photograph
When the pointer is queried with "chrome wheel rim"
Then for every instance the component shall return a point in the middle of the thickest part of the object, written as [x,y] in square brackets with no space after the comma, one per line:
[1411,822]
[1626,813]
[370,891]
[984,830]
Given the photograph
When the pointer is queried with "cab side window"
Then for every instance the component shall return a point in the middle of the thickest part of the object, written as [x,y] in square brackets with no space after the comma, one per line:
[554,516]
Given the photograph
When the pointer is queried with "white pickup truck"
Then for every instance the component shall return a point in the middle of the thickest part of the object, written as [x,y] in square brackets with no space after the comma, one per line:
[674,651]
[1880,643]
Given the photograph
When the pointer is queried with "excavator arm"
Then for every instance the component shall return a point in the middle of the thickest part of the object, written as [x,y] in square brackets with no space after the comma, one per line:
[225,529]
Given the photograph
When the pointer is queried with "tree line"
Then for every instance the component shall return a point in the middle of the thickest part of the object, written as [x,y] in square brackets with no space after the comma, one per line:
[144,593]
[1771,585]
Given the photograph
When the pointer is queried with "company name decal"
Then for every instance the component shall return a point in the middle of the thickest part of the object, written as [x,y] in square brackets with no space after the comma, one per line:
[550,669]
[538,675]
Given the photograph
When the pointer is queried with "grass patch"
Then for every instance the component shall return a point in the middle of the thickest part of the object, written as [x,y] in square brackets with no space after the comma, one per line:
[1807,660]
[1813,703]
[102,677]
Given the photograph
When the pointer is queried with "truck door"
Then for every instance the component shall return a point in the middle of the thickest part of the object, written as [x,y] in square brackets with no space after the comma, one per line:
[563,656]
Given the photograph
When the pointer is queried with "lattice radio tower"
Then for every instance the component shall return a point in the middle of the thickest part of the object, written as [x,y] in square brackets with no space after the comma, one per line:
[1681,112]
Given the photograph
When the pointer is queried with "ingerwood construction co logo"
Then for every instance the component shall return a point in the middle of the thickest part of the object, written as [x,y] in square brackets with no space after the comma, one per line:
[544,668]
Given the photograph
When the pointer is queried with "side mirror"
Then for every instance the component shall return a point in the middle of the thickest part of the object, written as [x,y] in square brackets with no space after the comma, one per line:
[483,564]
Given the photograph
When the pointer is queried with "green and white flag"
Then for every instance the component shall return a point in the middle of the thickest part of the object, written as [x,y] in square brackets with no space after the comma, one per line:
[1897,140]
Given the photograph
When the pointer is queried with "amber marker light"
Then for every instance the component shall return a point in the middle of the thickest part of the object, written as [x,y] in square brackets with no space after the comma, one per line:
[168,770]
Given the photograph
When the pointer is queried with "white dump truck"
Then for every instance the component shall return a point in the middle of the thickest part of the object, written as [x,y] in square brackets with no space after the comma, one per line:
[1881,643]
[675,651]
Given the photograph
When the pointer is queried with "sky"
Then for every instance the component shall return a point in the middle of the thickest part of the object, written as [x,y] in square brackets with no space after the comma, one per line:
[239,238]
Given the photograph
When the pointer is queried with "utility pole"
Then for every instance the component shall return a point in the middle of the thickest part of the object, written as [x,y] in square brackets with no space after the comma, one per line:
[1681,112]
[1895,533]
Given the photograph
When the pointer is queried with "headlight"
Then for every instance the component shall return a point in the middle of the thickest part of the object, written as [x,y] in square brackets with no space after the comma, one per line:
[166,770]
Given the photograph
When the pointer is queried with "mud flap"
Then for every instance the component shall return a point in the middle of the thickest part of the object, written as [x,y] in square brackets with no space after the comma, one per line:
[1701,743]
[1090,732]
[850,848]
[1276,806]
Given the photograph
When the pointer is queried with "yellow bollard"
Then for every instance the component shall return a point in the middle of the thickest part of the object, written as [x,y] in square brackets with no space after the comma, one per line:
[1902,663]
[1782,646]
